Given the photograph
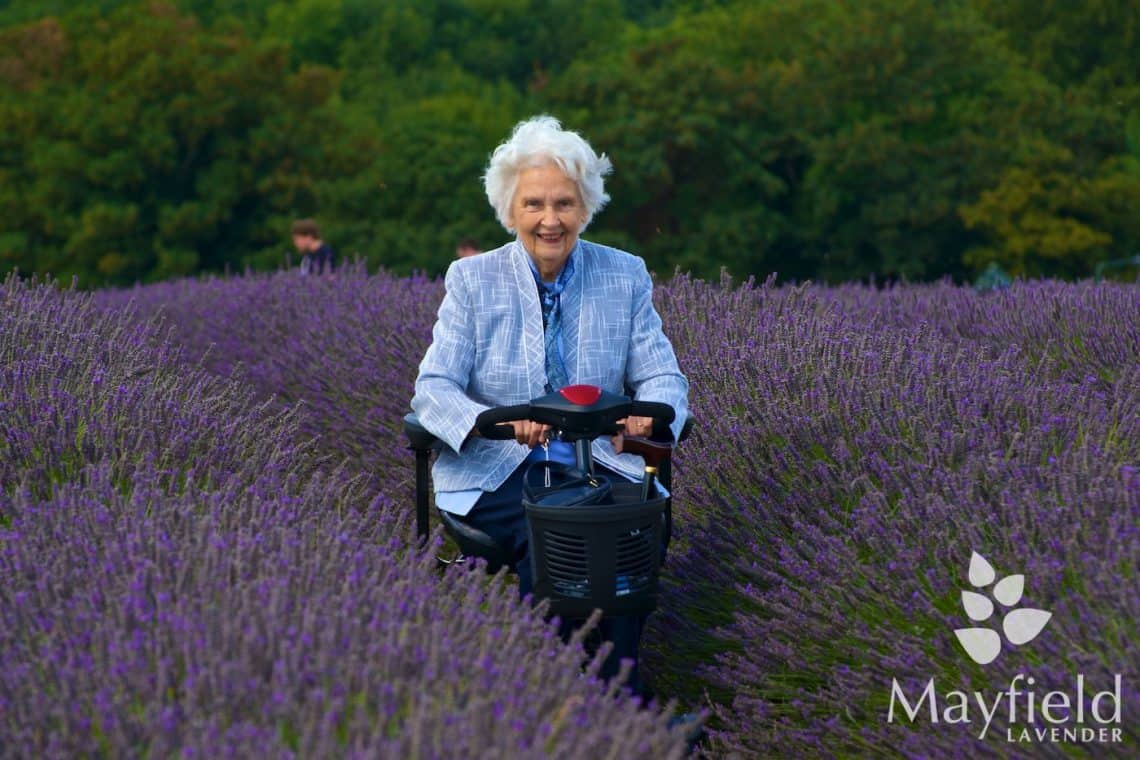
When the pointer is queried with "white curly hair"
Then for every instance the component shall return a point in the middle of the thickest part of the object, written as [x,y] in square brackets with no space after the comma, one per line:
[540,141]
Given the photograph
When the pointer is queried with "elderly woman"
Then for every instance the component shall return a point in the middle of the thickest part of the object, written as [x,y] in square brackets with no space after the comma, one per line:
[546,310]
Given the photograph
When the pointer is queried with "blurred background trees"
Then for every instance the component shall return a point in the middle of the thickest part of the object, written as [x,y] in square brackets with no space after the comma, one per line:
[817,139]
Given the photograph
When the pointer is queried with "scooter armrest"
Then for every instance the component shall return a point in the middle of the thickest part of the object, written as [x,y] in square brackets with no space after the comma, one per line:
[655,453]
[419,437]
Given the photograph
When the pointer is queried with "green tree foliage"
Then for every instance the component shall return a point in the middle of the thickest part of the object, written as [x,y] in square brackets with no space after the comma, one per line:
[819,139]
[141,146]
[805,136]
[1046,218]
[1068,201]
[512,40]
[1095,41]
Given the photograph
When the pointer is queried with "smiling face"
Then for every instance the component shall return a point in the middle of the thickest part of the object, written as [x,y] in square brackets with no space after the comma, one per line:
[547,212]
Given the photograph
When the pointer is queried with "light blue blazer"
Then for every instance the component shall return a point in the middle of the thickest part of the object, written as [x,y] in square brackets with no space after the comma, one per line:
[487,351]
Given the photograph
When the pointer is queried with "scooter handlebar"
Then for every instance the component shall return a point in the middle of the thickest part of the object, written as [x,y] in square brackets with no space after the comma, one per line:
[661,412]
[490,425]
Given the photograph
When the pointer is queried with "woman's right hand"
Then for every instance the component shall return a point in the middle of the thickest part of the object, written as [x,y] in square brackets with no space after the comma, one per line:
[529,433]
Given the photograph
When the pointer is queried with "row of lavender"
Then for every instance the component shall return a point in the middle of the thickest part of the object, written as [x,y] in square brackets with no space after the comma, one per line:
[854,448]
[185,572]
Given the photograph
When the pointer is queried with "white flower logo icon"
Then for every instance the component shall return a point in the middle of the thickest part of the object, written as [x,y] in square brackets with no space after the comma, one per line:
[1020,625]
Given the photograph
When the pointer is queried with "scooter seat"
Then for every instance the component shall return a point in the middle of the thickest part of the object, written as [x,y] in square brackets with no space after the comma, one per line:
[473,542]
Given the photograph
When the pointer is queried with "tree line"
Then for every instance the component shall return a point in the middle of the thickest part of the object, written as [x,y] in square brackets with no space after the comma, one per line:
[813,138]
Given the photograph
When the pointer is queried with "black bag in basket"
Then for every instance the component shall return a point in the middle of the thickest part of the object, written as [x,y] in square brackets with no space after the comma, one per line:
[554,484]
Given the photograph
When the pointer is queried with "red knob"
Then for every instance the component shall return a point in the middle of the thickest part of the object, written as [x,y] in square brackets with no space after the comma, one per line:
[582,395]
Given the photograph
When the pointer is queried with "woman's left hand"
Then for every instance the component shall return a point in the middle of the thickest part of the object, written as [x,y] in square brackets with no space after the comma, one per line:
[634,426]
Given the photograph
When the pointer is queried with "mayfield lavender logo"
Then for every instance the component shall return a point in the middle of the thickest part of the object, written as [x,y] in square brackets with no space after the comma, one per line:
[1057,716]
[1019,625]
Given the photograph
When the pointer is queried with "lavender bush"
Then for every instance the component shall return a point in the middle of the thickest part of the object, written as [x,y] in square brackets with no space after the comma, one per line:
[80,389]
[855,447]
[341,353]
[179,577]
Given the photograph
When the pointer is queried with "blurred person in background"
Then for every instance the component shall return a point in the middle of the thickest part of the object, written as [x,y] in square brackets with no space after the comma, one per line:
[317,256]
[466,248]
[546,310]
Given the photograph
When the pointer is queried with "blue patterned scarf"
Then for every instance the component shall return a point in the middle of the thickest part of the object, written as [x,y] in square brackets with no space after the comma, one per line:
[550,294]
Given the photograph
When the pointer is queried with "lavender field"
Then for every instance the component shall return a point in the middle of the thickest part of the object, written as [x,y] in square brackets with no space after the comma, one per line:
[206,538]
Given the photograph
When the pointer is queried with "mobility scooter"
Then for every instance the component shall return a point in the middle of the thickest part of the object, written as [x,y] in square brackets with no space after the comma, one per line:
[591,547]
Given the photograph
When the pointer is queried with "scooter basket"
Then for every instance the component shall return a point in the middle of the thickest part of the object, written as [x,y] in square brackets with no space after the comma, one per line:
[604,556]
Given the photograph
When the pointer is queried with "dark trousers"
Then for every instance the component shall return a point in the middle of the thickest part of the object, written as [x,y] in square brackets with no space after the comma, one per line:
[500,515]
